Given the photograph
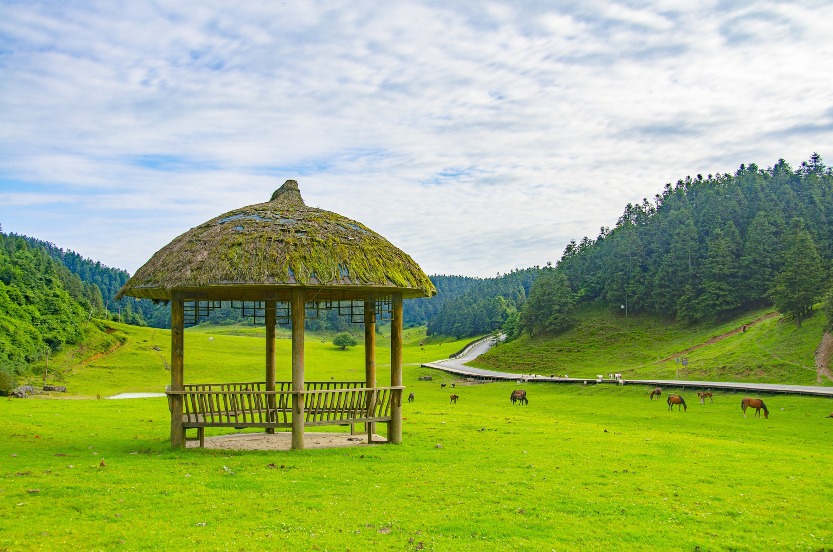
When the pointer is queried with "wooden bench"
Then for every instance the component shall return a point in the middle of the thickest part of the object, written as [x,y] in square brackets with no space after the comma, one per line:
[249,405]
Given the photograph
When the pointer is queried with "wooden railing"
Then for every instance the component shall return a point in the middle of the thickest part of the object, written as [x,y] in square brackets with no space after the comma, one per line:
[248,404]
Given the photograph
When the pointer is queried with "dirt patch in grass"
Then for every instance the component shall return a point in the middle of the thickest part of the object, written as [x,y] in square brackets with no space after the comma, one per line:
[102,354]
[283,441]
[720,337]
[823,356]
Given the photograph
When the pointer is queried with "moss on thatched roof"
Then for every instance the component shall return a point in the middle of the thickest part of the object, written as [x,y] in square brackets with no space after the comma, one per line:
[278,244]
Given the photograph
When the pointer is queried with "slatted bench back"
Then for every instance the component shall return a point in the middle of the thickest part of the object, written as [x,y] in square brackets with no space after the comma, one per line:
[248,404]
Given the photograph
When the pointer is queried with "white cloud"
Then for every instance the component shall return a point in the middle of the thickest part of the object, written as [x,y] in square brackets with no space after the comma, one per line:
[477,138]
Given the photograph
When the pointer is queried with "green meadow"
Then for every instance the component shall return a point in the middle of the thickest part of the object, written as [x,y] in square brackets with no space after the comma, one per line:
[772,350]
[580,467]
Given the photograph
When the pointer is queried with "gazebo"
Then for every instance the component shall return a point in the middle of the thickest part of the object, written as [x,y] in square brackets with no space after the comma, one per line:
[278,261]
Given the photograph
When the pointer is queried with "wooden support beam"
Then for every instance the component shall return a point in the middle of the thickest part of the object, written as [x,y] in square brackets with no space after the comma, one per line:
[177,369]
[370,352]
[395,426]
[271,319]
[298,314]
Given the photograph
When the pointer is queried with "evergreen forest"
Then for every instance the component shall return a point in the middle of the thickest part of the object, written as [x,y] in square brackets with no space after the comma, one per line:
[703,249]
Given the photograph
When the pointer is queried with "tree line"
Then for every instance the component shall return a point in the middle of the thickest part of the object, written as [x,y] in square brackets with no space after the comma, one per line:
[109,281]
[702,249]
[466,306]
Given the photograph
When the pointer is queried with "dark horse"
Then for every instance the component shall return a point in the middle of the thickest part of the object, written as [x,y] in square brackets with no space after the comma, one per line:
[454,399]
[757,404]
[657,391]
[518,395]
[678,400]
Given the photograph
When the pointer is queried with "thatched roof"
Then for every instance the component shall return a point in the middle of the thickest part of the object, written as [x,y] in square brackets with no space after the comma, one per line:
[272,247]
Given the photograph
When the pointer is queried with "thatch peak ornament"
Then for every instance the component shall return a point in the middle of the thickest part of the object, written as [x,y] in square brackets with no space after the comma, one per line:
[288,195]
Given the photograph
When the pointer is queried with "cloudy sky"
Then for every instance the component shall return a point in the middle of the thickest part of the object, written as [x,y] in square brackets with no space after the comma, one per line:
[476,136]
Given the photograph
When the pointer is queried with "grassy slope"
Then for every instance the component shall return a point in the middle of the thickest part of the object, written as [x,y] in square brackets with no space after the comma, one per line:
[770,351]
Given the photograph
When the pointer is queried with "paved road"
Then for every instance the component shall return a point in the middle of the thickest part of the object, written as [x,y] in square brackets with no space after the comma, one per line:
[458,367]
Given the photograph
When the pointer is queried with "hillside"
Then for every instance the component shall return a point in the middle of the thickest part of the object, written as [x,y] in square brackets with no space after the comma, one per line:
[117,357]
[647,346]
[710,247]
[44,308]
[107,281]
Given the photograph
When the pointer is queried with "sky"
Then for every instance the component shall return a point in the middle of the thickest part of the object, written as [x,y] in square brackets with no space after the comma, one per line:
[478,137]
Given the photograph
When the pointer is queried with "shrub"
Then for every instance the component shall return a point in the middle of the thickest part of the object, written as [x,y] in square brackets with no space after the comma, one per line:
[344,340]
[7,383]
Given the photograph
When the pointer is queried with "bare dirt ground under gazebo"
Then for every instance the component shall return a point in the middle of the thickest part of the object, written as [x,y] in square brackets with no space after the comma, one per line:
[283,441]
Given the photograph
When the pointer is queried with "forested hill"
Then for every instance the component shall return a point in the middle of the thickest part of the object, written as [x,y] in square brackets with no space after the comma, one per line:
[42,304]
[709,246]
[109,281]
[467,306]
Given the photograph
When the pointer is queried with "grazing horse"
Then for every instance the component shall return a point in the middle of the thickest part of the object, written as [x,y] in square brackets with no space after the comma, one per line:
[454,399]
[657,391]
[757,404]
[702,396]
[411,397]
[518,395]
[678,400]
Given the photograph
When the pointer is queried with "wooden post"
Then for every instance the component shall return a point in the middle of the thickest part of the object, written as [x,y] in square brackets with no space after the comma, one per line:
[270,362]
[177,369]
[298,315]
[395,427]
[370,354]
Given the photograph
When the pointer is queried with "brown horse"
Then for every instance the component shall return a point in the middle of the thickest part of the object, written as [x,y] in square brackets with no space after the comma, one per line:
[454,399]
[702,396]
[657,391]
[678,400]
[518,395]
[757,404]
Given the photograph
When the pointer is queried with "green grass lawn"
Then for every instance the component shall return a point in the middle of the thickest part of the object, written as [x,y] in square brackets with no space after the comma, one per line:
[139,357]
[595,467]
[645,347]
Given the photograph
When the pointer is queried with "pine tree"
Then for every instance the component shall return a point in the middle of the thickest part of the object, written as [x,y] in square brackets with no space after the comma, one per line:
[719,277]
[760,259]
[676,267]
[800,283]
[550,308]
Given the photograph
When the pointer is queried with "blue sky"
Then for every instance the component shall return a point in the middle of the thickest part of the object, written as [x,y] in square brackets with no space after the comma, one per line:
[477,137]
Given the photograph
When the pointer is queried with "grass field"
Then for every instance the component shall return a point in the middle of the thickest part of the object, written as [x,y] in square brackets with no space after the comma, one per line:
[138,357]
[772,350]
[596,467]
